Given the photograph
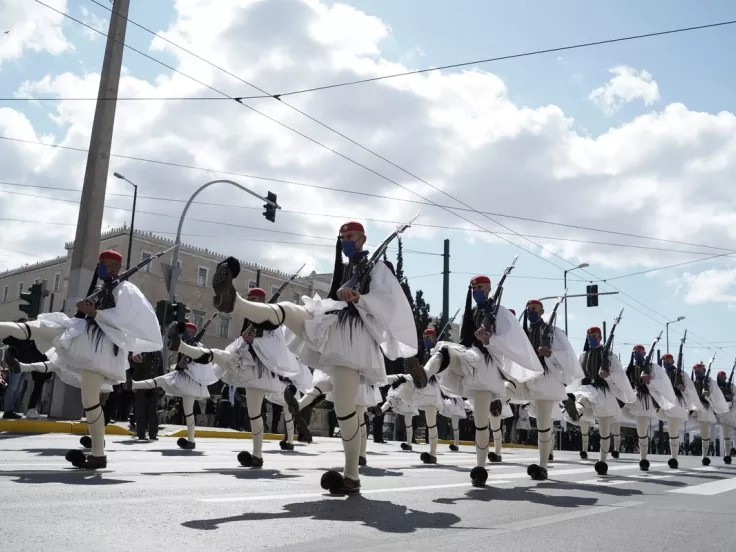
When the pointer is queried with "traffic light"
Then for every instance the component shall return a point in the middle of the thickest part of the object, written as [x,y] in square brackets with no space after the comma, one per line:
[178,312]
[161,312]
[34,297]
[592,292]
[270,212]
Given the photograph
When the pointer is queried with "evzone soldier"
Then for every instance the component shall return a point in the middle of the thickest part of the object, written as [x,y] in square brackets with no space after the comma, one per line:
[294,386]
[686,401]
[561,367]
[476,367]
[254,361]
[597,394]
[653,392]
[188,380]
[712,403]
[90,350]
[455,409]
[365,317]
[728,419]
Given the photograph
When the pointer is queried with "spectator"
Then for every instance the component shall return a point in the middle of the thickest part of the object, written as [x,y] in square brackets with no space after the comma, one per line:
[143,367]
[26,352]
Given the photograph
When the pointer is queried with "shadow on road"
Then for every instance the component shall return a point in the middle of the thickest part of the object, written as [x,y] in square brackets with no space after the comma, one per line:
[70,477]
[239,473]
[520,494]
[381,515]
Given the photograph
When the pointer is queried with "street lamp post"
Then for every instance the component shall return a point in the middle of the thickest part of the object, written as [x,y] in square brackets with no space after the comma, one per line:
[175,259]
[667,330]
[132,218]
[582,265]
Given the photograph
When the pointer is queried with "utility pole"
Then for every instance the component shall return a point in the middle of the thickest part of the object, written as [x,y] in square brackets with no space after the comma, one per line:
[65,401]
[445,285]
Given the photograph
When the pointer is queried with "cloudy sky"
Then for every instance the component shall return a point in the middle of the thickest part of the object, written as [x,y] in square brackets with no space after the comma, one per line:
[621,156]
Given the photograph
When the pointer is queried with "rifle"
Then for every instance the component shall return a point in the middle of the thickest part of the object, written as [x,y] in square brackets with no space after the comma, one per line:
[679,371]
[365,265]
[730,378]
[548,333]
[646,369]
[276,295]
[201,332]
[491,307]
[449,323]
[606,361]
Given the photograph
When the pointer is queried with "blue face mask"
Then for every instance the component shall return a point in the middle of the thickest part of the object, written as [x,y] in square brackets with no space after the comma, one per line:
[699,376]
[428,343]
[532,316]
[349,249]
[479,296]
[669,367]
[639,357]
[185,336]
[103,273]
[592,341]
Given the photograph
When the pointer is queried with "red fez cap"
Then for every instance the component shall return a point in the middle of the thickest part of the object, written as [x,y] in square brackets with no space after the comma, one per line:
[667,356]
[698,365]
[111,255]
[480,279]
[512,311]
[352,226]
[594,329]
[430,331]
[191,326]
[534,302]
[639,348]
[390,266]
[721,374]
[256,292]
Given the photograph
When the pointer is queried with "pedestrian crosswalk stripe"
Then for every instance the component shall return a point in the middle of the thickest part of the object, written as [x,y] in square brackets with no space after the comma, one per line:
[708,489]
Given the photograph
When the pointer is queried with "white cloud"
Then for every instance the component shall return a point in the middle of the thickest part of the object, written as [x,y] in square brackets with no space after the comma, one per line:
[31,26]
[710,286]
[460,131]
[625,87]
[99,23]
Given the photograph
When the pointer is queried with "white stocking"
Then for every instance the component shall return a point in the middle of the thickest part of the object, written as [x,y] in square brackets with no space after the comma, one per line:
[360,412]
[673,428]
[616,430]
[388,404]
[91,386]
[346,382]
[705,436]
[188,406]
[146,384]
[496,424]
[430,414]
[322,388]
[642,434]
[43,367]
[585,435]
[604,426]
[727,439]
[482,414]
[545,438]
[39,332]
[455,421]
[254,403]
[434,364]
[219,357]
[408,419]
[293,316]
[289,423]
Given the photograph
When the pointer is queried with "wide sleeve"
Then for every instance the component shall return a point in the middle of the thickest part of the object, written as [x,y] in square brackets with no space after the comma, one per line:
[273,353]
[661,388]
[717,400]
[387,315]
[564,356]
[619,383]
[520,360]
[690,394]
[132,324]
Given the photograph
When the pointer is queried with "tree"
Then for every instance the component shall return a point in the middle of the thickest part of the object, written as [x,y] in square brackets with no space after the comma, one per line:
[422,318]
[401,277]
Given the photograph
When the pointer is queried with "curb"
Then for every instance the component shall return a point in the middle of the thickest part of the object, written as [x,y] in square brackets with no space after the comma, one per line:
[472,443]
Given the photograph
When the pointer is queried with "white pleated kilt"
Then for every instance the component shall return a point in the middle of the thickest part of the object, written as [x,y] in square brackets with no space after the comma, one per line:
[704,416]
[246,372]
[544,387]
[277,397]
[429,396]
[596,403]
[180,383]
[368,395]
[506,411]
[469,372]
[729,418]
[453,407]
[325,343]
[74,352]
[642,408]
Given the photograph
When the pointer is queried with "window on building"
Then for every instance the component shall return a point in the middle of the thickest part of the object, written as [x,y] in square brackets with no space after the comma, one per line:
[145,256]
[36,281]
[6,290]
[57,281]
[274,289]
[296,297]
[224,326]
[251,284]
[199,318]
[202,276]
[20,289]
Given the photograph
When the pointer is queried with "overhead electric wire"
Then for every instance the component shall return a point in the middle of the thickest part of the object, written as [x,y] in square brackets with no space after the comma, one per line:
[316,142]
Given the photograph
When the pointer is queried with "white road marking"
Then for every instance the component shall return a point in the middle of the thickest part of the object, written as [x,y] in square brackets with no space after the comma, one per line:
[708,489]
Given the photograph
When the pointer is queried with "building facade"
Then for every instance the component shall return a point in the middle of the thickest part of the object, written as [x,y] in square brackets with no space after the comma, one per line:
[193,288]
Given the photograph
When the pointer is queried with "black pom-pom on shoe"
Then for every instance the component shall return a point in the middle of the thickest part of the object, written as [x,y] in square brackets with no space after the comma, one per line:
[706,461]
[428,458]
[583,455]
[332,481]
[727,460]
[362,461]
[245,458]
[453,448]
[673,463]
[286,446]
[75,457]
[493,457]
[615,454]
[185,444]
[86,441]
[551,457]
[406,446]
[601,468]
[644,465]
[537,472]
[478,476]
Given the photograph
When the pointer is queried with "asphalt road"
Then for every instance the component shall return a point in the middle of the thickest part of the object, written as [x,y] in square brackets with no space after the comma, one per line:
[154,496]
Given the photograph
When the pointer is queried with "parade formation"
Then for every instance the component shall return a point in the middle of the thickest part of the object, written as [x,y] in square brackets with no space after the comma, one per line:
[294,355]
